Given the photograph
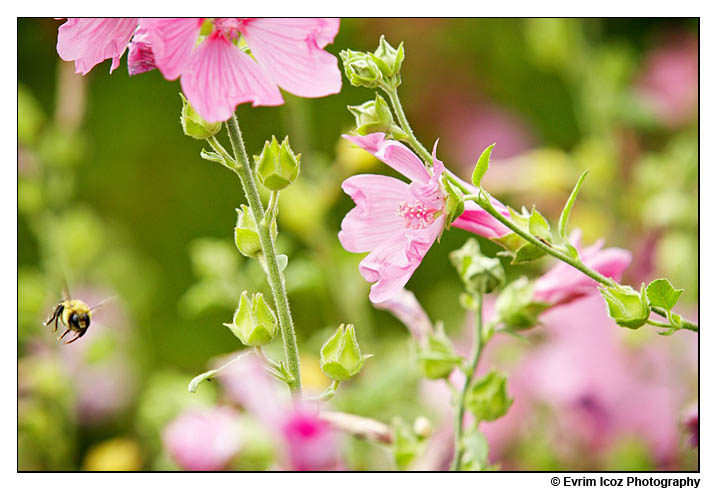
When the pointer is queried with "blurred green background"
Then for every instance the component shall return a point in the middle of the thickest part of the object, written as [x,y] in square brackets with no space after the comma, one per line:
[113,196]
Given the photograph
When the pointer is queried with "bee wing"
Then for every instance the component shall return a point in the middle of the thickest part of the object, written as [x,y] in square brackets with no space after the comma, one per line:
[103,303]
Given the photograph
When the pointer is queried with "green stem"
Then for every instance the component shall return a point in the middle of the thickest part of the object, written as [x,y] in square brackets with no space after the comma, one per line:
[404,123]
[659,324]
[475,357]
[242,168]
[685,324]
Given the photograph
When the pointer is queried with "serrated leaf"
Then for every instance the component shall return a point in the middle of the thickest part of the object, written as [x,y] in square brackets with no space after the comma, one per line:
[662,294]
[563,220]
[482,165]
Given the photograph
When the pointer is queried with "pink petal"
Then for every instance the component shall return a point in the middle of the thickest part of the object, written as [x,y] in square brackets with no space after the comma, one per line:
[478,221]
[172,42]
[218,76]
[394,154]
[375,219]
[90,41]
[291,52]
[140,59]
[409,311]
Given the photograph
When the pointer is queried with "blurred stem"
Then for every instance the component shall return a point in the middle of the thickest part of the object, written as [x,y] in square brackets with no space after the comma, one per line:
[240,165]
[393,94]
[475,357]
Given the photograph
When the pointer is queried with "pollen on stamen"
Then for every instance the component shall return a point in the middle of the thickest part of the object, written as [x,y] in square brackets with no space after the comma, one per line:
[416,215]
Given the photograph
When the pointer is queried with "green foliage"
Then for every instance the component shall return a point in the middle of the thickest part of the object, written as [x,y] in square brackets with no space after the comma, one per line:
[482,165]
[662,294]
[479,273]
[487,398]
[515,306]
[566,212]
[454,201]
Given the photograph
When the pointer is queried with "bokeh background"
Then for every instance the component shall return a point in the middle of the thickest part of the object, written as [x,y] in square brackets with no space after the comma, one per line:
[112,196]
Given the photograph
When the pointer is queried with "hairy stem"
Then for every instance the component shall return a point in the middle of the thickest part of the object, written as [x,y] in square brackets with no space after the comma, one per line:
[404,123]
[242,168]
[461,403]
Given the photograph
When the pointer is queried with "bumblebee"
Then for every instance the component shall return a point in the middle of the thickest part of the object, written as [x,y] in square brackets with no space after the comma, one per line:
[75,315]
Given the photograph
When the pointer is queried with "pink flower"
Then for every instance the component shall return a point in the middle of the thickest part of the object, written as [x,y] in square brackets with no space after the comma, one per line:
[216,74]
[140,58]
[563,283]
[307,442]
[204,440]
[397,222]
[409,311]
[690,424]
[88,42]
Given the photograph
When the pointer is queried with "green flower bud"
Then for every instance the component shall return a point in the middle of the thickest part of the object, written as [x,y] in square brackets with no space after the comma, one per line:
[341,357]
[246,236]
[487,398]
[194,125]
[437,359]
[361,69]
[254,323]
[388,59]
[277,165]
[478,272]
[515,306]
[374,116]
[626,306]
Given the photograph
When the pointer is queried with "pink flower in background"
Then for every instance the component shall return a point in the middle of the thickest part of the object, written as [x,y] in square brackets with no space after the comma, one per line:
[670,80]
[306,442]
[397,222]
[216,74]
[88,42]
[563,283]
[690,424]
[204,440]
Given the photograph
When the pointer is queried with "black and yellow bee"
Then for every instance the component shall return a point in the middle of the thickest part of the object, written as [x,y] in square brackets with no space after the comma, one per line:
[74,314]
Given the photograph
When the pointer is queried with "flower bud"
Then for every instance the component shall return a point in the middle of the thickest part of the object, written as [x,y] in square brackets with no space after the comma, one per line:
[626,306]
[516,307]
[437,358]
[194,125]
[478,272]
[246,236]
[341,357]
[388,59]
[487,398]
[361,69]
[277,165]
[375,116]
[254,322]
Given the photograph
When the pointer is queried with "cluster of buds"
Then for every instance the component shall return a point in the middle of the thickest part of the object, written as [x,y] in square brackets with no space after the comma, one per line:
[378,69]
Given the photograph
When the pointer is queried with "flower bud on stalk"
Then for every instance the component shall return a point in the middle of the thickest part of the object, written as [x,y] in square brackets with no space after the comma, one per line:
[341,357]
[194,125]
[277,165]
[626,306]
[246,237]
[479,273]
[375,116]
[361,69]
[254,322]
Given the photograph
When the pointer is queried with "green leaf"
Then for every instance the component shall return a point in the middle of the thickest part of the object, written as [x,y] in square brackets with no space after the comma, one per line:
[563,220]
[538,226]
[662,294]
[627,307]
[482,165]
[454,201]
[487,398]
[527,253]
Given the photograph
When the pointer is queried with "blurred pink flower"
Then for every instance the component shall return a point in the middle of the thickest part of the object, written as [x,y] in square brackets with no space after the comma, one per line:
[599,389]
[690,424]
[563,282]
[670,80]
[204,440]
[216,74]
[397,222]
[307,442]
[89,41]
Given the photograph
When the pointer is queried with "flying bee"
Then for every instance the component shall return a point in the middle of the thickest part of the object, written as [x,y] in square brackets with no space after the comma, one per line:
[74,314]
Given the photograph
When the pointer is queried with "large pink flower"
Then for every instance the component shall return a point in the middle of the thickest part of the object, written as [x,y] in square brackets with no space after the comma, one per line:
[216,71]
[217,74]
[563,282]
[398,222]
[90,41]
